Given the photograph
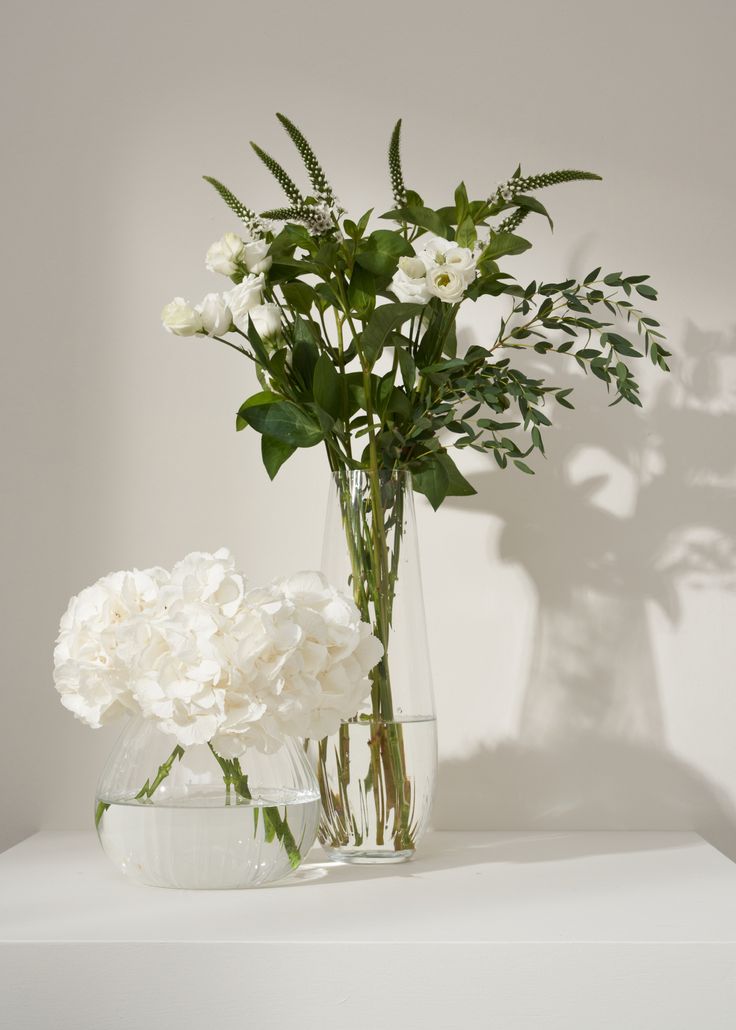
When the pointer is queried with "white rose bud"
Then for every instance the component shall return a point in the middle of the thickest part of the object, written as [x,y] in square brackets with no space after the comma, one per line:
[461,259]
[413,267]
[216,316]
[446,283]
[181,318]
[256,256]
[267,320]
[227,255]
[243,298]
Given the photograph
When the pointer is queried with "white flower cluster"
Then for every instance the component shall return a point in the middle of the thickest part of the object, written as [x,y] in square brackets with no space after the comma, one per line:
[506,190]
[247,264]
[209,660]
[441,269]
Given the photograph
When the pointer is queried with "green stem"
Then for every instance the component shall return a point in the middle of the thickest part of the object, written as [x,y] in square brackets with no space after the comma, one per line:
[149,788]
[275,825]
[374,574]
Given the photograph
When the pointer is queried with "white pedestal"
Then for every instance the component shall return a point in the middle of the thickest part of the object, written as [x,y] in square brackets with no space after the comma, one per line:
[540,931]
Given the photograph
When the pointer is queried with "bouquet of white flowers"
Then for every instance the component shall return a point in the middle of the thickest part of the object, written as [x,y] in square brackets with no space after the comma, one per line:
[351,329]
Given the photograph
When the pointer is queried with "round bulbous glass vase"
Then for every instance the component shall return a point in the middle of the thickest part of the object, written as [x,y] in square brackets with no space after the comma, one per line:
[170,816]
[377,773]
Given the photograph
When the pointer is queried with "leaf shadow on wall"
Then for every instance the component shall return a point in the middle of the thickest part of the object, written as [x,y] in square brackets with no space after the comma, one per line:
[613,522]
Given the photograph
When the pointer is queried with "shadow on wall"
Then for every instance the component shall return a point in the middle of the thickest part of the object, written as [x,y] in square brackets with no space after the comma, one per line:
[591,748]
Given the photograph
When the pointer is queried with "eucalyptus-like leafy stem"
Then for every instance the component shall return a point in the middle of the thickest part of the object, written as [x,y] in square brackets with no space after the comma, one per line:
[366,363]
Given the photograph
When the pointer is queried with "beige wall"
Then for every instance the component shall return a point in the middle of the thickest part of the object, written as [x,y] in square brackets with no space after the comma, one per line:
[582,623]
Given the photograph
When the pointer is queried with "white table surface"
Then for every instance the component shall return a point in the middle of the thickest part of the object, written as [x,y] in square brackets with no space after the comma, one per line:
[542,930]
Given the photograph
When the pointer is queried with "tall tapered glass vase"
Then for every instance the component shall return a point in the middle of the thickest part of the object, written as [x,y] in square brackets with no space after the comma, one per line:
[377,773]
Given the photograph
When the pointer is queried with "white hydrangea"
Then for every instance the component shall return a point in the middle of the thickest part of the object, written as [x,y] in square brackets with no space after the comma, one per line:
[181,677]
[97,643]
[211,661]
[304,655]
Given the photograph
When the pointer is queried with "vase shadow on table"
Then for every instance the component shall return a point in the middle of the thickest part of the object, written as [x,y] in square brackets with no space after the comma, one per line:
[625,512]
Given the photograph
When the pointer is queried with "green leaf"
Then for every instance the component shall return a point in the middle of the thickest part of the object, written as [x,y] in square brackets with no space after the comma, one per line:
[304,351]
[462,204]
[502,243]
[263,397]
[620,344]
[382,323]
[274,453]
[647,291]
[432,480]
[466,234]
[380,252]
[279,419]
[532,204]
[257,344]
[447,214]
[458,486]
[487,284]
[326,386]
[299,296]
[523,467]
[362,291]
[407,366]
[424,217]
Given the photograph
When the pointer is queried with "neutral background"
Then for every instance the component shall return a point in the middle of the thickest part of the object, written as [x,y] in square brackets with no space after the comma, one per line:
[582,622]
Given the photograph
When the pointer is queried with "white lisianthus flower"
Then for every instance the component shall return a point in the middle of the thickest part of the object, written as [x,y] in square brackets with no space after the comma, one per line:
[446,283]
[461,259]
[267,320]
[409,284]
[215,314]
[413,267]
[181,319]
[243,298]
[226,256]
[410,290]
[256,256]
[433,252]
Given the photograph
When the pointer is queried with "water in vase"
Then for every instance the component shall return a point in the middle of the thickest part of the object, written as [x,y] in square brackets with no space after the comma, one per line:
[204,842]
[361,820]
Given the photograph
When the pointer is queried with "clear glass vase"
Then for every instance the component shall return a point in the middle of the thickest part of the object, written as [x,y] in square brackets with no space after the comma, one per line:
[377,774]
[169,816]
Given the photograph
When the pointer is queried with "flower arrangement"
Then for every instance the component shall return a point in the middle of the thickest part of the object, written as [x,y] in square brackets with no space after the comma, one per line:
[209,661]
[351,330]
